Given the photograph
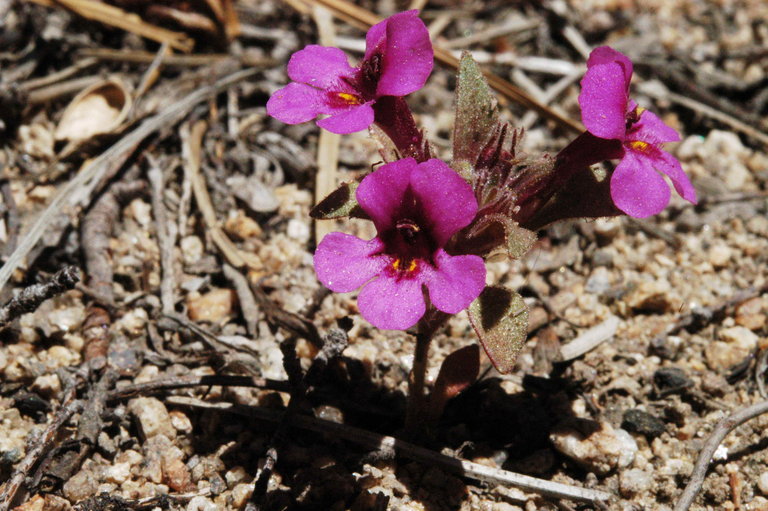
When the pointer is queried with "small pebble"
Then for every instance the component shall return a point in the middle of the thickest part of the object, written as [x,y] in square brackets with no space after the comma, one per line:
[191,249]
[634,481]
[720,255]
[597,447]
[642,422]
[153,417]
[740,336]
[117,473]
[671,380]
[181,422]
[750,314]
[213,306]
[240,495]
[201,503]
[762,483]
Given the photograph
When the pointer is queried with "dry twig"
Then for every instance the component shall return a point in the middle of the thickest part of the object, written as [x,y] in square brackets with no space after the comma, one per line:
[722,429]
[245,298]
[183,382]
[31,297]
[166,238]
[192,151]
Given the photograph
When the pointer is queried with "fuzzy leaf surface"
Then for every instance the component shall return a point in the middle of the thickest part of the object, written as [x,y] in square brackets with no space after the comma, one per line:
[500,318]
[477,115]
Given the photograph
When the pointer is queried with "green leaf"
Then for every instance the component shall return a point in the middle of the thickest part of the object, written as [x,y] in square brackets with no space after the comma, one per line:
[500,318]
[476,115]
[519,239]
[339,203]
[494,230]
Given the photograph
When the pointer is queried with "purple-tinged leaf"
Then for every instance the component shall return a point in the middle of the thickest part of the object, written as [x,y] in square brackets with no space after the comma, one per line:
[500,318]
[459,371]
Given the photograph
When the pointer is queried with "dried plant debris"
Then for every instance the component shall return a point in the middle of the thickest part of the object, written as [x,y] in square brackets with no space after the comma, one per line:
[166,344]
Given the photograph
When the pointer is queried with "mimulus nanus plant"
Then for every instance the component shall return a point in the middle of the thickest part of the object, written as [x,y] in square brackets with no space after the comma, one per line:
[607,112]
[398,60]
[416,208]
[437,223]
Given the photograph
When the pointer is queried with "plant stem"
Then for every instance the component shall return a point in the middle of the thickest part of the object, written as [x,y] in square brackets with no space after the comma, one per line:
[416,408]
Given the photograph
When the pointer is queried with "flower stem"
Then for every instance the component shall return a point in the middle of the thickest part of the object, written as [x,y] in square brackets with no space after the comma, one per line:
[394,117]
[416,407]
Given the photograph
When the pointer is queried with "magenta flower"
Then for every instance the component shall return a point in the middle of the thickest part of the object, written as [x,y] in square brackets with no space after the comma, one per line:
[607,112]
[398,60]
[416,208]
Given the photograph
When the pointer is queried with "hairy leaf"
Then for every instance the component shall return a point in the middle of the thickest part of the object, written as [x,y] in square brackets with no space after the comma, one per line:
[476,115]
[500,318]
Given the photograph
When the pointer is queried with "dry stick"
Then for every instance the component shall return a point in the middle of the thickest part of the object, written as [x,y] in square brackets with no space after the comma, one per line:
[192,141]
[328,143]
[722,429]
[31,297]
[212,340]
[143,57]
[57,90]
[58,76]
[166,238]
[12,221]
[96,232]
[248,305]
[183,382]
[590,339]
[79,190]
[365,19]
[380,442]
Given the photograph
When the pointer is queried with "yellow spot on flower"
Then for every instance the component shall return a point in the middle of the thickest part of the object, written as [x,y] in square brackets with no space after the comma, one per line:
[397,265]
[639,145]
[640,111]
[348,98]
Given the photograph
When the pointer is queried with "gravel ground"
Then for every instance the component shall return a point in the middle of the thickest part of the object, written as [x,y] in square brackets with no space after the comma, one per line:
[689,287]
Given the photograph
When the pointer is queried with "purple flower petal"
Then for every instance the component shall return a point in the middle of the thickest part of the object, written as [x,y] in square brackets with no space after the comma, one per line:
[381,192]
[651,129]
[321,67]
[408,56]
[607,55]
[376,38]
[296,103]
[392,304]
[349,121]
[344,262]
[670,166]
[636,188]
[603,100]
[456,281]
[446,199]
